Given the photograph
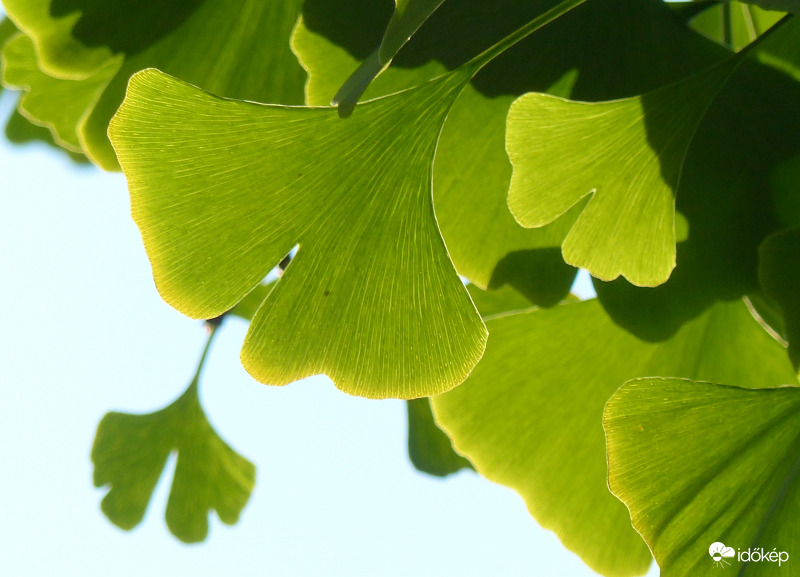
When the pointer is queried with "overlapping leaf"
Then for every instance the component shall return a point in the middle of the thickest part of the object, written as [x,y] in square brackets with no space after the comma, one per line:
[239,49]
[429,448]
[628,154]
[529,416]
[129,455]
[699,463]
[221,190]
[471,172]
[738,186]
[55,103]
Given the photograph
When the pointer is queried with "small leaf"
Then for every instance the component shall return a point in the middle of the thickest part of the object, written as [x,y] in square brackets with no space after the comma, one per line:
[429,448]
[529,416]
[627,154]
[699,463]
[222,190]
[130,452]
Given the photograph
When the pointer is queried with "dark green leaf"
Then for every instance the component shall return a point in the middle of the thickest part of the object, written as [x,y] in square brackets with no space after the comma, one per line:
[780,278]
[56,104]
[780,5]
[429,448]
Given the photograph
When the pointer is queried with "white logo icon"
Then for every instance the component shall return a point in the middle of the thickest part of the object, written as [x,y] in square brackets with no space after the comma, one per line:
[719,552]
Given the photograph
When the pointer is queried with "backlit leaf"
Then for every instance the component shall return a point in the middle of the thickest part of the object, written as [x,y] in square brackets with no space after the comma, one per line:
[471,171]
[222,190]
[129,455]
[747,22]
[529,416]
[627,154]
[738,186]
[699,463]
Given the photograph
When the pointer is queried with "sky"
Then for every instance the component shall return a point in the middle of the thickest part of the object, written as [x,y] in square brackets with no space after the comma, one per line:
[85,332]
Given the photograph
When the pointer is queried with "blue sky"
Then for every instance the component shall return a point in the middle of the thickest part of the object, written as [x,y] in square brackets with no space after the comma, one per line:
[85,332]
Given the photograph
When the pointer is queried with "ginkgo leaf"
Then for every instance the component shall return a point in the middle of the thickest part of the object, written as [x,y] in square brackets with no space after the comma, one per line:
[737,188]
[55,103]
[780,278]
[699,463]
[429,448]
[471,169]
[222,189]
[627,154]
[246,40]
[20,130]
[529,416]
[129,455]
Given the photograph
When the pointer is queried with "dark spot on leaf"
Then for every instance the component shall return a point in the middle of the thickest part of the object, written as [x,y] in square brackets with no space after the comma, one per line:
[326,293]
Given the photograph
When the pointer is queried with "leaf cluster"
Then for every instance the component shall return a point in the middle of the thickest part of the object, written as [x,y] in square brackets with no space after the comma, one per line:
[380,153]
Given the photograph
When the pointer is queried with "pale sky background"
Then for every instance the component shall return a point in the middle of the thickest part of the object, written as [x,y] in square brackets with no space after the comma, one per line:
[85,332]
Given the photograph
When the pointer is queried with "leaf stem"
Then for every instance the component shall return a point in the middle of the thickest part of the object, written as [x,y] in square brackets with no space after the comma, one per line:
[482,59]
[212,325]
[727,25]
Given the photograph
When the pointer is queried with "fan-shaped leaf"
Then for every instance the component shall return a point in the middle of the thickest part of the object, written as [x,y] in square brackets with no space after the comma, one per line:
[699,463]
[130,452]
[221,190]
[627,154]
[529,416]
[738,186]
